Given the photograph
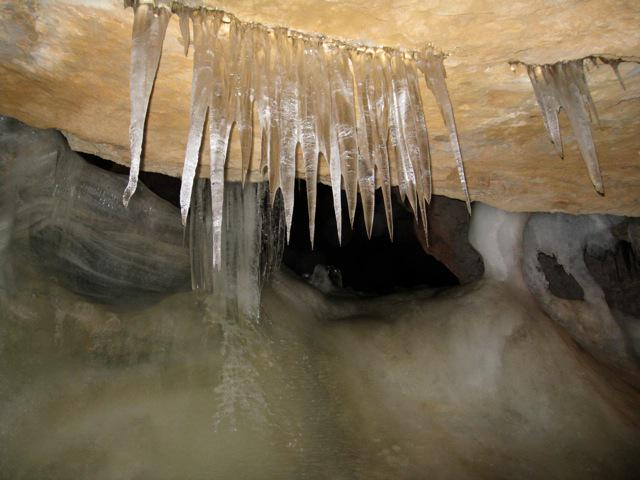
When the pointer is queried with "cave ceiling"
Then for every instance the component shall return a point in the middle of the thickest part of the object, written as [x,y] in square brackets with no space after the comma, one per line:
[65,64]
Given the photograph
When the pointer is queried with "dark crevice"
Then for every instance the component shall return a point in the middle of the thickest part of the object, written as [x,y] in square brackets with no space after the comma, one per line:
[561,283]
[164,186]
[617,271]
[371,266]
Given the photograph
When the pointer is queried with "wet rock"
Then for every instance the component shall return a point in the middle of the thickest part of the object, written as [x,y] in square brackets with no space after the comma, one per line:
[449,239]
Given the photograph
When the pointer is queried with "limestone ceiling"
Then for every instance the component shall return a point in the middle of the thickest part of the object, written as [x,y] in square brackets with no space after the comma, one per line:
[65,64]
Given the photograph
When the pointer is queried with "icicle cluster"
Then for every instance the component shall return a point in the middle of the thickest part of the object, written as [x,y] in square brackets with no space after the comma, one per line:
[358,108]
[564,86]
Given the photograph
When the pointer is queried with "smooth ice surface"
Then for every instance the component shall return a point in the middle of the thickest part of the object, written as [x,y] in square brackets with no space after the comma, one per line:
[563,86]
[315,97]
[149,28]
[433,69]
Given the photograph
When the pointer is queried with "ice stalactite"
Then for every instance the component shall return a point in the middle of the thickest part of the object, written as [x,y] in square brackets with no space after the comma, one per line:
[564,86]
[200,98]
[252,239]
[357,108]
[434,73]
[149,28]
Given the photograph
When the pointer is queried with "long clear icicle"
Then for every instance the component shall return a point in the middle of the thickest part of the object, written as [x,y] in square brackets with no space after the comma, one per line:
[288,115]
[379,101]
[221,114]
[434,73]
[366,132]
[333,149]
[358,108]
[245,96]
[149,29]
[343,122]
[564,86]
[310,107]
[400,134]
[422,157]
[543,89]
[205,28]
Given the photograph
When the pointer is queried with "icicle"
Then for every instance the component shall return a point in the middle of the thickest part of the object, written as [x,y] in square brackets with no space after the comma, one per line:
[366,131]
[185,16]
[343,120]
[245,97]
[221,114]
[421,131]
[320,79]
[332,148]
[421,159]
[309,65]
[542,87]
[563,85]
[615,66]
[288,114]
[401,135]
[204,31]
[378,101]
[200,236]
[274,82]
[434,73]
[357,108]
[149,29]
[261,86]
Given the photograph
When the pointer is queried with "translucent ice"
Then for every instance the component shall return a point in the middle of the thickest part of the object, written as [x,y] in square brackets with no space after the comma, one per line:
[366,132]
[358,108]
[434,73]
[343,120]
[564,86]
[149,28]
[205,28]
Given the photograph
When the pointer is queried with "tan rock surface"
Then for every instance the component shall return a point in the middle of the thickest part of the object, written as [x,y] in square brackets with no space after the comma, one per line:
[65,64]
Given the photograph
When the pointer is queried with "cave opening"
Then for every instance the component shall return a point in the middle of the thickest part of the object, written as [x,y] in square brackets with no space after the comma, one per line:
[374,266]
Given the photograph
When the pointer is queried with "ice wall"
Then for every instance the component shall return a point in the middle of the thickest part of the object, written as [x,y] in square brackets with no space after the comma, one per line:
[497,235]
[590,320]
[66,214]
[356,107]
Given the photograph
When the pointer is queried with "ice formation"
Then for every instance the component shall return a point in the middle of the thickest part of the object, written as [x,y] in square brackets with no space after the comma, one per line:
[357,107]
[563,86]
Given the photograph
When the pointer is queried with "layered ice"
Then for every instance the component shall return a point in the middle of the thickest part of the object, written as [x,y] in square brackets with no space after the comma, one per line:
[357,108]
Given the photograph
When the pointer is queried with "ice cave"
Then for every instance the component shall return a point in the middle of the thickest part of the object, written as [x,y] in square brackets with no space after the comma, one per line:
[319,239]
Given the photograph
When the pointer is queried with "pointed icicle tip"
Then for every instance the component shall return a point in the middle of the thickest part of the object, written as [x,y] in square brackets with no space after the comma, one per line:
[149,29]
[564,86]
[432,67]
[184,214]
